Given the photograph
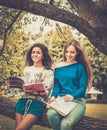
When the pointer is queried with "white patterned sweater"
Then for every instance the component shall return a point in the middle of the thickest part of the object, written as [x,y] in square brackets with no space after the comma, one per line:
[39,75]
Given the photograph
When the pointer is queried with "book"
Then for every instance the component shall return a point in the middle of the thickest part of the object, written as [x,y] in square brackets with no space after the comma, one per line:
[62,107]
[16,82]
[38,87]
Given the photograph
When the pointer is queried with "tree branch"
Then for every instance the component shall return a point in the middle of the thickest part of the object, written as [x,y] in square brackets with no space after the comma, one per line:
[6,30]
[88,10]
[7,109]
[56,14]
[91,22]
[102,4]
[60,33]
[51,2]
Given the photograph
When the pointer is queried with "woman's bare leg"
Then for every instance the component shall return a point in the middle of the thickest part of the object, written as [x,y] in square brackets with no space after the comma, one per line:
[27,122]
[18,119]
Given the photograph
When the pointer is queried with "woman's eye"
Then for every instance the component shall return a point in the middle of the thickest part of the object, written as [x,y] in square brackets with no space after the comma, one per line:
[33,52]
[73,52]
[37,52]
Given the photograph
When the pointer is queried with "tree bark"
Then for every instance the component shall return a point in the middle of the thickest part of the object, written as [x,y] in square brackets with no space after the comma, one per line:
[7,109]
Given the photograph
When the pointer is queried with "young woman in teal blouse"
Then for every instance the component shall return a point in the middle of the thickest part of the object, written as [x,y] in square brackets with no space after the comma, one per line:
[71,79]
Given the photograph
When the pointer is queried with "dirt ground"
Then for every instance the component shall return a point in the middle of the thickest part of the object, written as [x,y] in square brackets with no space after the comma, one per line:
[6,123]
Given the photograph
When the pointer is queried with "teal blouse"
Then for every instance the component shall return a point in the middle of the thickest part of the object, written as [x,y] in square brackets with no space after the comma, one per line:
[70,79]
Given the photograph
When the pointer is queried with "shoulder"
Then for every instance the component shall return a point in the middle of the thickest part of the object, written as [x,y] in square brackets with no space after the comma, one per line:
[48,70]
[81,67]
[61,64]
[28,68]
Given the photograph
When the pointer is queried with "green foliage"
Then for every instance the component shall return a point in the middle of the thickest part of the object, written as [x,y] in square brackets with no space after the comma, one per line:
[98,63]
[13,58]
[55,41]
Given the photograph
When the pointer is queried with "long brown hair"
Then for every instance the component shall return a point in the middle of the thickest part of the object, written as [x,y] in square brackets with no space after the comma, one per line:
[80,58]
[46,61]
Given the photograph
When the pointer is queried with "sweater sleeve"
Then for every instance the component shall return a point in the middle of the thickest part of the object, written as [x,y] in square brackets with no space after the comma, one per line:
[48,81]
[82,83]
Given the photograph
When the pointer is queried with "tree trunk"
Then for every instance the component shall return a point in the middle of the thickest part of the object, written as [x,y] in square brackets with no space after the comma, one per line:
[7,109]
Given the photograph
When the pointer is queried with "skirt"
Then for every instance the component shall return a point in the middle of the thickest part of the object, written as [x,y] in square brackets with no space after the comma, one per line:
[30,106]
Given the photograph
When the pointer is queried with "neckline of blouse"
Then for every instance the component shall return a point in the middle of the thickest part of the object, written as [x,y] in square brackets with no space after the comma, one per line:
[65,65]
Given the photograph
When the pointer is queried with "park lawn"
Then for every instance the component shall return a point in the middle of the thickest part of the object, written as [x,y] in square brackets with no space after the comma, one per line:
[96,110]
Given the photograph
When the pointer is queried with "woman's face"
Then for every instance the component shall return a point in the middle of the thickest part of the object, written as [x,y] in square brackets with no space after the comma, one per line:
[70,54]
[37,55]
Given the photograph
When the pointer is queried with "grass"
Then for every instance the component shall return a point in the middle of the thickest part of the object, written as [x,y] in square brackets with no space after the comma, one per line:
[92,110]
[97,111]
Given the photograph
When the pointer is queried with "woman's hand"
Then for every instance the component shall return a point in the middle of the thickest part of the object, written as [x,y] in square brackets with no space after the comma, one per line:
[31,92]
[52,99]
[35,93]
[68,98]
[43,93]
[28,91]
